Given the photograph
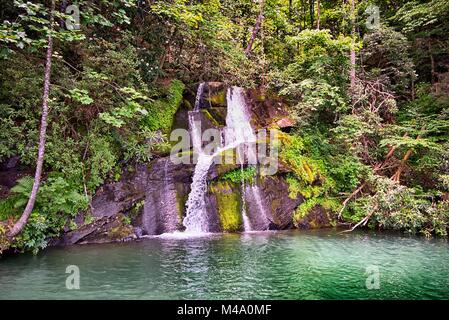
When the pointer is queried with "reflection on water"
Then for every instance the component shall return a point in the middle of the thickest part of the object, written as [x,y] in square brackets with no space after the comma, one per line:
[264,265]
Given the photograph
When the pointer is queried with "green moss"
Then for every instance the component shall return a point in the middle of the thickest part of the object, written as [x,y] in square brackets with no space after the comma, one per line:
[161,112]
[328,204]
[309,177]
[218,99]
[187,104]
[224,168]
[219,114]
[180,205]
[208,116]
[228,206]
[297,187]
[248,174]
[121,230]
[136,209]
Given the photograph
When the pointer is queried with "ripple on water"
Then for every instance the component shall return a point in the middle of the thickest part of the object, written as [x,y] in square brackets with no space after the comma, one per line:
[274,265]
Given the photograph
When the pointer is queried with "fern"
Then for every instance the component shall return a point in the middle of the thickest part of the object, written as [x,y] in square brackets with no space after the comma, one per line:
[23,186]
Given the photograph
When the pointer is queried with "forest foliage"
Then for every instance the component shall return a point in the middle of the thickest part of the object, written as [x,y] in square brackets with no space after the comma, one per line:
[118,80]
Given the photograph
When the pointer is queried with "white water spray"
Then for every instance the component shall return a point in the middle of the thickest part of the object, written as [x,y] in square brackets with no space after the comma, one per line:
[238,133]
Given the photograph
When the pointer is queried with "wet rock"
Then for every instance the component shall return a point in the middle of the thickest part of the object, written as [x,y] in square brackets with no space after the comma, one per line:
[158,186]
[275,191]
[161,211]
[268,109]
[117,197]
[317,218]
[257,208]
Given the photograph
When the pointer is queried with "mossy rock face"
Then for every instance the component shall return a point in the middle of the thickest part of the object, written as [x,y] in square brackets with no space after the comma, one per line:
[275,191]
[217,99]
[221,169]
[181,117]
[215,95]
[228,201]
[120,232]
[182,194]
[216,116]
[268,109]
[316,218]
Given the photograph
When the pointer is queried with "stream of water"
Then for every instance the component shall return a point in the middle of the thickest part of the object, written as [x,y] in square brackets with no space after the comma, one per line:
[238,133]
[264,265]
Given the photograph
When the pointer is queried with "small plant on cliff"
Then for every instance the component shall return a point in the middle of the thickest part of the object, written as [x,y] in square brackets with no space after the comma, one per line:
[247,174]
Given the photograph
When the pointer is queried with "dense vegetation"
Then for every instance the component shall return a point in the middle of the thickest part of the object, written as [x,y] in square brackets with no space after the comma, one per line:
[370,142]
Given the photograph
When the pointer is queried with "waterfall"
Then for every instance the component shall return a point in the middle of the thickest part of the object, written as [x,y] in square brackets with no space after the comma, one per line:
[238,126]
[196,217]
[196,220]
[238,133]
[260,206]
[246,221]
[195,126]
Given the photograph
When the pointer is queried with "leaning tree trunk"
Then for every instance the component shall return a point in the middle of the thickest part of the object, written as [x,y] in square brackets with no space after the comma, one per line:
[318,11]
[256,29]
[18,226]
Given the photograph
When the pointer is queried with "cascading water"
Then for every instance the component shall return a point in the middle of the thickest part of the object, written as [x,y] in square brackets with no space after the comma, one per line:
[196,216]
[246,221]
[196,220]
[260,206]
[238,126]
[195,126]
[238,133]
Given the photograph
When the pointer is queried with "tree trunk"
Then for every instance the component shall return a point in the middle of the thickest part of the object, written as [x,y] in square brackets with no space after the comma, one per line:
[18,226]
[352,54]
[256,29]
[397,175]
[290,10]
[312,13]
[318,11]
[377,167]
[304,14]
[432,63]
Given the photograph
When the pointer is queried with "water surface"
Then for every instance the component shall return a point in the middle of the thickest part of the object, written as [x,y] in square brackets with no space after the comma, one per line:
[267,265]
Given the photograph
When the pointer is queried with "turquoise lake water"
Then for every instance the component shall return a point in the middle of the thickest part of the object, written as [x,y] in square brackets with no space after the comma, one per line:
[267,265]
